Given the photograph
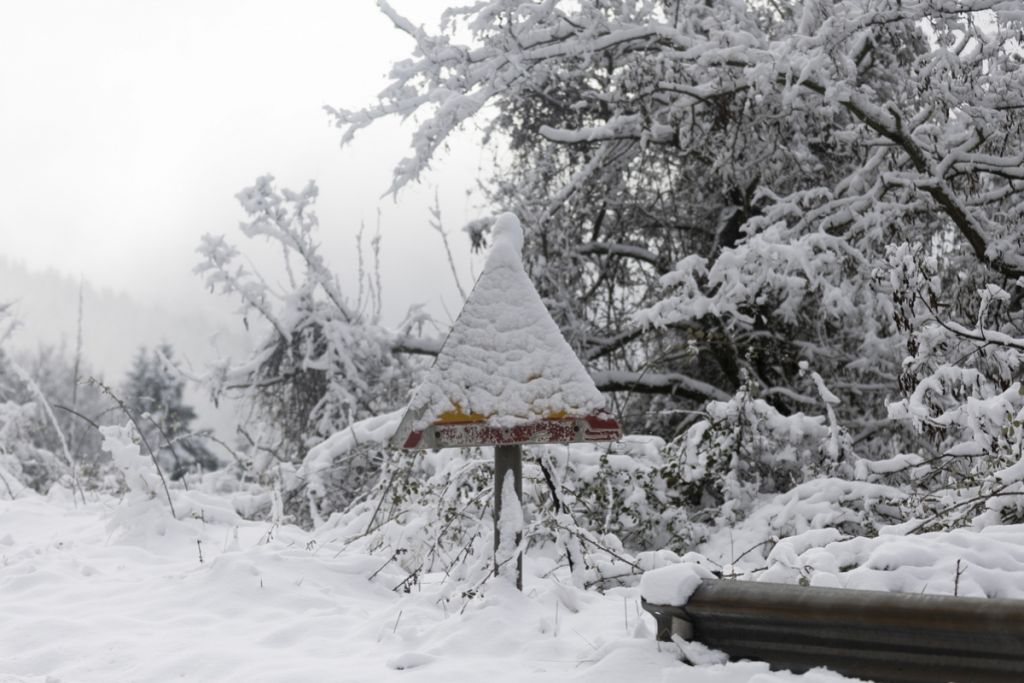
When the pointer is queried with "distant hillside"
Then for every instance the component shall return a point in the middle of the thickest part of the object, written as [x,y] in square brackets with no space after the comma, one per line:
[114,326]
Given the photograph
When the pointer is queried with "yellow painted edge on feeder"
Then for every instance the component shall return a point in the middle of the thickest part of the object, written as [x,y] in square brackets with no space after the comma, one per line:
[456,415]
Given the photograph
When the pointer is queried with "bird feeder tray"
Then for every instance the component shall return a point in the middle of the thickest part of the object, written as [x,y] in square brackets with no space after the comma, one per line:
[476,433]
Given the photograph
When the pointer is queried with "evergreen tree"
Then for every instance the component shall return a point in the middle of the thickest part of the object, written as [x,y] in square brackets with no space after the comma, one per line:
[155,394]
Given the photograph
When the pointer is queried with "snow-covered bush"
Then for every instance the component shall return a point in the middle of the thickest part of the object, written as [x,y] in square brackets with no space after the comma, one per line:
[34,450]
[151,503]
[324,361]
[963,387]
[608,511]
[139,472]
[23,465]
[57,434]
[432,511]
[745,447]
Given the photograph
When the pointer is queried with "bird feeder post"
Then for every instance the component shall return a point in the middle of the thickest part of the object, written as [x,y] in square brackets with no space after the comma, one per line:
[507,459]
[504,377]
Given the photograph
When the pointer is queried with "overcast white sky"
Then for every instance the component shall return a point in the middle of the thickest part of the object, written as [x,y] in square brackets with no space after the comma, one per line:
[126,127]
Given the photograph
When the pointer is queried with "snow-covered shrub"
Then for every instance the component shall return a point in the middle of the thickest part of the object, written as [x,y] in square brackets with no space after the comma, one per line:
[22,464]
[151,503]
[59,431]
[427,512]
[609,511]
[962,380]
[744,447]
[341,469]
[622,490]
[324,361]
[138,471]
[34,450]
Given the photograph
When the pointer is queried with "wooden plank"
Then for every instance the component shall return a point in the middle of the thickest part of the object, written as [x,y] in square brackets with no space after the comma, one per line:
[591,428]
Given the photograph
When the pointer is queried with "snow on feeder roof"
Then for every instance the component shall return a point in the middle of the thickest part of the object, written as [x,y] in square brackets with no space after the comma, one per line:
[505,374]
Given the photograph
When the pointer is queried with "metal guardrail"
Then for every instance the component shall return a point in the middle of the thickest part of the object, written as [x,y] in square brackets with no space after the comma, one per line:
[884,637]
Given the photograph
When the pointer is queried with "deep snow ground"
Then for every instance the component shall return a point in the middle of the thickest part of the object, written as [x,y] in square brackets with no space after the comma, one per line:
[87,594]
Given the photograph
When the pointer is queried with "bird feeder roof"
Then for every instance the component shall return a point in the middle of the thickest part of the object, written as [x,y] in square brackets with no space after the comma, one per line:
[505,373]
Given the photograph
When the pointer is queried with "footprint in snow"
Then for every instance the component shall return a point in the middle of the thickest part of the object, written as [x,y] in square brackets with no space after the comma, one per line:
[409,660]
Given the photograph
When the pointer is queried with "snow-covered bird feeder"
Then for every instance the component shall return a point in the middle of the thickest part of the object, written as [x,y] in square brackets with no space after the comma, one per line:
[505,376]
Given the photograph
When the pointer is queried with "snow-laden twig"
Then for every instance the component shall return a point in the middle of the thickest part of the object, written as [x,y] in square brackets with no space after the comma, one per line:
[138,429]
[45,403]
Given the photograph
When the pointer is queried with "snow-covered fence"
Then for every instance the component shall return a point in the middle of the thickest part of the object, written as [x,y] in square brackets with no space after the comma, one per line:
[885,637]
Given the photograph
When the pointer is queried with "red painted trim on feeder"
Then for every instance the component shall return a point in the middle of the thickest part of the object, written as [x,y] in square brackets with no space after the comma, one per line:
[602,428]
[413,440]
[590,428]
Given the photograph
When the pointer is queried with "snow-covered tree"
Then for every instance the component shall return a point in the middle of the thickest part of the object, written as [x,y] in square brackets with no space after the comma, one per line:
[324,360]
[155,393]
[774,202]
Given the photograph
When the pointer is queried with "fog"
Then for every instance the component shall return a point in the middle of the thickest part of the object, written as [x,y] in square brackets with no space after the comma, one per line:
[127,127]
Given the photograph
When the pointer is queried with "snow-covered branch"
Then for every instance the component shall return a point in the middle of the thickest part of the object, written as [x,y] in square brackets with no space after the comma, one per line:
[624,250]
[656,383]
